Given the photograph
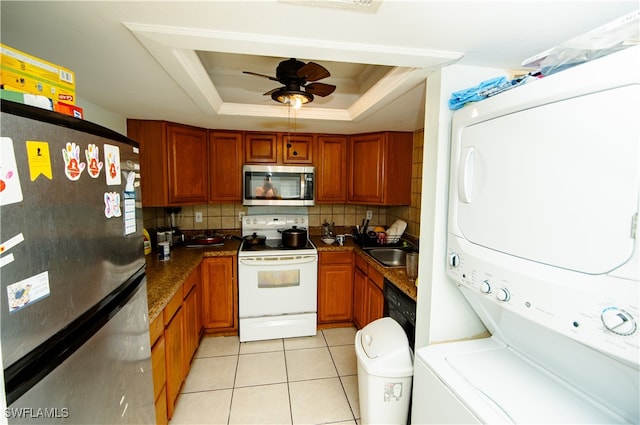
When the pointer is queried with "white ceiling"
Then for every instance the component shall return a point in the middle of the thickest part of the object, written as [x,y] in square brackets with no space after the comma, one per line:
[183,61]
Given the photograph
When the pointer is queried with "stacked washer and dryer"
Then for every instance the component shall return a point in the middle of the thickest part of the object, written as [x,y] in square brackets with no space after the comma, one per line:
[543,244]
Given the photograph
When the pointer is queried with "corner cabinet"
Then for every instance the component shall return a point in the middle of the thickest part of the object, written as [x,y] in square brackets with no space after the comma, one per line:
[335,288]
[331,169]
[226,155]
[380,168]
[173,162]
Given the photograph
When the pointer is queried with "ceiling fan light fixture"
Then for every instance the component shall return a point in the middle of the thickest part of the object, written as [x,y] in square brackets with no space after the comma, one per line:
[294,98]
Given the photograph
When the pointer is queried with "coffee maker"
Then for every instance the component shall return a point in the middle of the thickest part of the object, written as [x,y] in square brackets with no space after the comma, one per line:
[172,217]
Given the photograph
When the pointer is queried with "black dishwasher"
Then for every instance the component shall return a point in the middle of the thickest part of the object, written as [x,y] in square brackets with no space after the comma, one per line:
[402,308]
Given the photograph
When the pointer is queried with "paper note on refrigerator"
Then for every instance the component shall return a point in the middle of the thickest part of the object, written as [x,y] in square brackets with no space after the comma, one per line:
[10,190]
[112,160]
[28,291]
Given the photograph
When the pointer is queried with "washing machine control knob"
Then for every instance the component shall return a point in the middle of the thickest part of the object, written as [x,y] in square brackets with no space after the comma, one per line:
[618,321]
[454,260]
[485,287]
[503,294]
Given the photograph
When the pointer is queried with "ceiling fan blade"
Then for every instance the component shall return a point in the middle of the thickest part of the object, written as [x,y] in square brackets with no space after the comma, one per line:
[272,91]
[320,89]
[260,75]
[313,72]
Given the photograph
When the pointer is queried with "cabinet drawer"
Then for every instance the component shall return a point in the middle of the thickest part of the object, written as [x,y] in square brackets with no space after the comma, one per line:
[194,278]
[156,329]
[376,277]
[172,307]
[341,257]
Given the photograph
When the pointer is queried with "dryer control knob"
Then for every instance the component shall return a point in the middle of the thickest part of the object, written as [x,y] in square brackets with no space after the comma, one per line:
[454,260]
[503,294]
[485,287]
[618,321]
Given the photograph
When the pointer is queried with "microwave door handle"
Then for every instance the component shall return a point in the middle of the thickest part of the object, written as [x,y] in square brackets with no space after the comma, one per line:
[466,174]
[302,186]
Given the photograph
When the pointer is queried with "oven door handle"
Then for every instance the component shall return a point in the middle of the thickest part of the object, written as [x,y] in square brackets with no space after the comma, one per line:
[280,260]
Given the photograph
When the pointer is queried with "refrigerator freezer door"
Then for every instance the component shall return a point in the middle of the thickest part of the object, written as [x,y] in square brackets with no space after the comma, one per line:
[108,380]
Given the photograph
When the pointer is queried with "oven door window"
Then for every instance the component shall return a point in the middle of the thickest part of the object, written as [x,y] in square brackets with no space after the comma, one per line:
[278,278]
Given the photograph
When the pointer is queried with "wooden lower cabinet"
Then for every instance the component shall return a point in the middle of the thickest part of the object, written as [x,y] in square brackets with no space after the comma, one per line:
[191,334]
[335,288]
[174,362]
[159,371]
[220,295]
[161,408]
[359,295]
[176,333]
[368,296]
[192,324]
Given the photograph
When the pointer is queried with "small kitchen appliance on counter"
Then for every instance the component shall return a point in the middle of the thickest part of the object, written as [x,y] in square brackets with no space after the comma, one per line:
[277,278]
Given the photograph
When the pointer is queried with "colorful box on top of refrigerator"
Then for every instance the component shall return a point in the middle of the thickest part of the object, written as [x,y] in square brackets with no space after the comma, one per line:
[20,71]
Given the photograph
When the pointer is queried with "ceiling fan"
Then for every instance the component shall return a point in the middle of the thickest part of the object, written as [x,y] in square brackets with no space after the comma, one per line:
[295,77]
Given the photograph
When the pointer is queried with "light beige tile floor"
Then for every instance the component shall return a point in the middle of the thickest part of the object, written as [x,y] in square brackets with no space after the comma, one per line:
[308,380]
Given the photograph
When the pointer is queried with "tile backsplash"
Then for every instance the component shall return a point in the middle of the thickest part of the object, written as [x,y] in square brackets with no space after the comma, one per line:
[225,216]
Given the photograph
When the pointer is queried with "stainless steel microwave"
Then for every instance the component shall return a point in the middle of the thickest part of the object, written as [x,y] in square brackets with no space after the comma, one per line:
[278,185]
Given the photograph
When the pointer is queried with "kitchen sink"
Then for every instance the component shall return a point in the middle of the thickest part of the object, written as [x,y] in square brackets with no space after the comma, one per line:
[388,257]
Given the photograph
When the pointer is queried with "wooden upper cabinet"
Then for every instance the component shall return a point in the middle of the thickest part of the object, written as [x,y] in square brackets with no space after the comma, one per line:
[261,147]
[154,179]
[297,148]
[173,162]
[226,156]
[188,164]
[331,169]
[380,168]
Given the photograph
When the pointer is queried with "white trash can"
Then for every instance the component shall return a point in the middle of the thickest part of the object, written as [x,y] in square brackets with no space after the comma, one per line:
[385,372]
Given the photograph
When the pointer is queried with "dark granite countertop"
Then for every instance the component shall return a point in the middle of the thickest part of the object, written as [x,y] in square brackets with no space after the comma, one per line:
[165,278]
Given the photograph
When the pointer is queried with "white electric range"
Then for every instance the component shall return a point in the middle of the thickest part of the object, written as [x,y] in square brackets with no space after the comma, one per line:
[277,286]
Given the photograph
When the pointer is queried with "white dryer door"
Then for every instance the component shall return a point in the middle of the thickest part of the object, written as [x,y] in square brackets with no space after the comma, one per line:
[556,184]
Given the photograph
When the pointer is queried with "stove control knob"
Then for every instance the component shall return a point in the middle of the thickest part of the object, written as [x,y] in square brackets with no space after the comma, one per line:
[618,321]
[485,287]
[454,260]
[503,294]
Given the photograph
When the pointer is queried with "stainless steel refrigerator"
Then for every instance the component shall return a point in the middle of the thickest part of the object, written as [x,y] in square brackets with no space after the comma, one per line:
[73,298]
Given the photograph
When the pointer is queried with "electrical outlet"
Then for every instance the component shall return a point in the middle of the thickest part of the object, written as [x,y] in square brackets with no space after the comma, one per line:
[198,217]
[369,214]
[240,215]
